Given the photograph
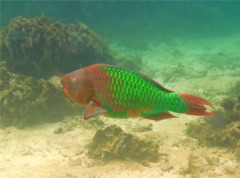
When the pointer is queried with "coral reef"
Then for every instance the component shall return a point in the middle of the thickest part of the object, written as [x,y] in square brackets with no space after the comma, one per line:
[228,136]
[223,129]
[26,101]
[114,143]
[39,47]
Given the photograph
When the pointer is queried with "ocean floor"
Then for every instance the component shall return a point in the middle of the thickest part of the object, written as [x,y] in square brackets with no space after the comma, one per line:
[207,68]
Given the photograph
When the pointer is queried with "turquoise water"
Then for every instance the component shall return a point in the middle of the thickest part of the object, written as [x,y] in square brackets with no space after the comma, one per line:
[188,47]
[136,19]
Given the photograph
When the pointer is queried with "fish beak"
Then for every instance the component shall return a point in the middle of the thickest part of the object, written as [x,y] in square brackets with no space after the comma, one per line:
[62,85]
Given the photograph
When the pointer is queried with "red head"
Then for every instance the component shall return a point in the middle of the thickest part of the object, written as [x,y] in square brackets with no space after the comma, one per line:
[77,86]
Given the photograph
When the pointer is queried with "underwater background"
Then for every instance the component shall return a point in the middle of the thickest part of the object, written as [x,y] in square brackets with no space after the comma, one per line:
[187,46]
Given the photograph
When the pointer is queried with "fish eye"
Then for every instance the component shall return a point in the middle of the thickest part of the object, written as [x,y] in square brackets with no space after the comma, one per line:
[73,81]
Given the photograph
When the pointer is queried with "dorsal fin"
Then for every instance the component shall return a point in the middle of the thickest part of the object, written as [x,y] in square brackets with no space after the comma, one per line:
[156,83]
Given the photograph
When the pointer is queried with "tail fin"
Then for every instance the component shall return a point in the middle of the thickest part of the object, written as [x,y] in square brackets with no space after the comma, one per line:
[196,105]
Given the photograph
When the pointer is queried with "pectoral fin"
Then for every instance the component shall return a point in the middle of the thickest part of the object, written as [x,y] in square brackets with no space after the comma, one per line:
[161,116]
[93,110]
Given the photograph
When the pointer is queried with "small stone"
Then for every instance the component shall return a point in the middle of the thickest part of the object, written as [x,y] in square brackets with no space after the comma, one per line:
[59,130]
[166,167]
[145,163]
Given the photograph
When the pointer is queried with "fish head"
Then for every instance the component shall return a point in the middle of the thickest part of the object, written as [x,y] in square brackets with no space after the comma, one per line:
[77,86]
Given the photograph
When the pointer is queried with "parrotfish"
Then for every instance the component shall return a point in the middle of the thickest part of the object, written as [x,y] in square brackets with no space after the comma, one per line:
[120,93]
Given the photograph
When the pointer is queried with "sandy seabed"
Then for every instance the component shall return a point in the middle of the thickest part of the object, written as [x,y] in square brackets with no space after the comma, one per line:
[38,152]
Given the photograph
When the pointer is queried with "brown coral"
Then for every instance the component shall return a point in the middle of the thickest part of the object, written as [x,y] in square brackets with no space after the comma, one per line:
[114,143]
[39,46]
[26,101]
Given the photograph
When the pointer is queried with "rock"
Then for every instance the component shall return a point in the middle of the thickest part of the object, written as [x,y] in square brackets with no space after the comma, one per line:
[228,104]
[59,130]
[113,143]
[26,101]
[40,47]
[230,135]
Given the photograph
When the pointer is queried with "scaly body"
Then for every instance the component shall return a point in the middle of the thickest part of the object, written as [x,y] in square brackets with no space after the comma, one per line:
[120,93]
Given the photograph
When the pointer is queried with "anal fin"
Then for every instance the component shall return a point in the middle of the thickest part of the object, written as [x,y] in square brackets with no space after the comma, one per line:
[160,116]
[93,110]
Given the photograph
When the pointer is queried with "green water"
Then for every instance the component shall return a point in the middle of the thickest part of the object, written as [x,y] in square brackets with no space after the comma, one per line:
[187,46]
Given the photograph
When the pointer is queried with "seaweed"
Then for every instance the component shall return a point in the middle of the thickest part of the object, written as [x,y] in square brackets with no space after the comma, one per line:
[39,46]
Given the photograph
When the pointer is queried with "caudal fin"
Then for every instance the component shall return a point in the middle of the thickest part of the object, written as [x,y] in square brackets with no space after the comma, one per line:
[196,105]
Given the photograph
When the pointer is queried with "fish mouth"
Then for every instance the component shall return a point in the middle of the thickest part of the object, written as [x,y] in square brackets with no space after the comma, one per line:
[62,84]
[62,87]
